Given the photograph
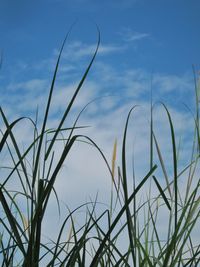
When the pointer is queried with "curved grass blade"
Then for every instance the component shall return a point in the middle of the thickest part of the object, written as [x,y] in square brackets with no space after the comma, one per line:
[8,130]
[73,98]
[66,150]
[12,222]
[47,109]
[174,167]
[16,148]
[125,188]
[176,235]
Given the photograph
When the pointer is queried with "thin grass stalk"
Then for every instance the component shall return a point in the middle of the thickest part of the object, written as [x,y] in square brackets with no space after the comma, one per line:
[134,212]
[47,110]
[174,239]
[119,215]
[154,231]
[175,171]
[17,170]
[162,165]
[197,107]
[15,144]
[73,97]
[56,252]
[125,188]
[12,222]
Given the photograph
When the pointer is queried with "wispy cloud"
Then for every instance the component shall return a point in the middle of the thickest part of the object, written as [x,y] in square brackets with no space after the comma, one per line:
[30,85]
[77,182]
[130,35]
[106,116]
[77,50]
[173,83]
[71,56]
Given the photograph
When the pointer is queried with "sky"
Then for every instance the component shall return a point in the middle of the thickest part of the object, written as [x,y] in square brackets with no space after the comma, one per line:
[156,35]
[144,45]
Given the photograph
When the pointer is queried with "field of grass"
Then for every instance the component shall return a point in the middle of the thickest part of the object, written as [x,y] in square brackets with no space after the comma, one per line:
[96,240]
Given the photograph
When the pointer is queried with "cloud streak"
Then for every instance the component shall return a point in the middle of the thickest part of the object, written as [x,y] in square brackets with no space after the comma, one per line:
[128,35]
[78,50]
[84,173]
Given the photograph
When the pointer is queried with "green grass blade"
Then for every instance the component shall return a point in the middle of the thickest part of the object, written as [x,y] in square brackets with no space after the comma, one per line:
[162,192]
[121,212]
[12,222]
[73,98]
[125,188]
[47,110]
[162,165]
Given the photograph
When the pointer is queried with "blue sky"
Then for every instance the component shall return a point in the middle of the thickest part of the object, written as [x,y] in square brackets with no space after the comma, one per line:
[167,31]
[141,40]
[154,36]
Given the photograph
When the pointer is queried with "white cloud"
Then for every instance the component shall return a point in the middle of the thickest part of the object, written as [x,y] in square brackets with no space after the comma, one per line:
[32,85]
[175,83]
[77,50]
[84,172]
[130,35]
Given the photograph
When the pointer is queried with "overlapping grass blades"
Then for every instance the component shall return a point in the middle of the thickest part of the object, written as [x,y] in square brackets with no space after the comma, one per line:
[91,242]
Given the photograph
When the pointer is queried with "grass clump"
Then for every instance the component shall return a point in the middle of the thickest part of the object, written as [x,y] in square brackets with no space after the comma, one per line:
[94,243]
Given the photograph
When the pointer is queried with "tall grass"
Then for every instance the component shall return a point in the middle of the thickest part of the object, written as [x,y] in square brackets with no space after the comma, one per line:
[94,243]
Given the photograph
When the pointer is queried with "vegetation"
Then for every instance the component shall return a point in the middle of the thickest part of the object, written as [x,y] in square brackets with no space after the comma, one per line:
[34,171]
